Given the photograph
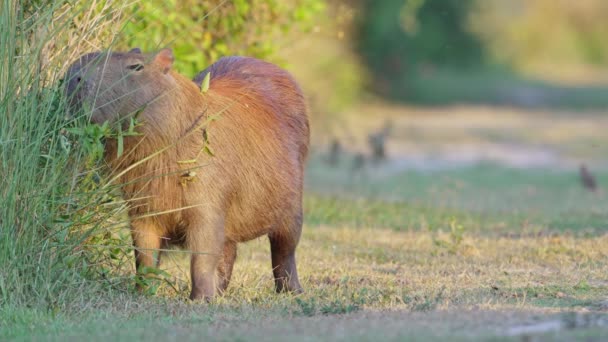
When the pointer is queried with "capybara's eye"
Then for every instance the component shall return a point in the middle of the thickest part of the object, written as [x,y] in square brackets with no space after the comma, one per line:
[136,67]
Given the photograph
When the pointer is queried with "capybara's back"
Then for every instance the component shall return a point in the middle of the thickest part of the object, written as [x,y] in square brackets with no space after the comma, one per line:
[210,169]
[269,87]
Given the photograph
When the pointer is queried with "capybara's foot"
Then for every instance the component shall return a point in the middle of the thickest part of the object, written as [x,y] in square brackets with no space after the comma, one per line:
[199,296]
[203,291]
[291,285]
[282,249]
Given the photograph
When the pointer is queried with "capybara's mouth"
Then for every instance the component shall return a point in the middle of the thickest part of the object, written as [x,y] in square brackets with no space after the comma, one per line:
[74,106]
[78,107]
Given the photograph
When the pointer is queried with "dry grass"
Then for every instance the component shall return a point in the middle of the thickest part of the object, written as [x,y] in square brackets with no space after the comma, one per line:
[368,283]
[388,270]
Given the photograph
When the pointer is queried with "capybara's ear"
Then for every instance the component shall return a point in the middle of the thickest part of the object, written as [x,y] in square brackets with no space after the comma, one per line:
[164,59]
[135,50]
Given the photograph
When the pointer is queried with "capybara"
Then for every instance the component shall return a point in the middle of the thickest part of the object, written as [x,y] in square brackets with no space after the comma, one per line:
[209,169]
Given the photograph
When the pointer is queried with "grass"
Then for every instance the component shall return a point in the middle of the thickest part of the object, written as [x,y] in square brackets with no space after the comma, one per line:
[369,271]
[47,211]
[367,277]
[485,198]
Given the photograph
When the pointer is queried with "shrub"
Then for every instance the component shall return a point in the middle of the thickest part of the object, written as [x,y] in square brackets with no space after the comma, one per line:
[200,32]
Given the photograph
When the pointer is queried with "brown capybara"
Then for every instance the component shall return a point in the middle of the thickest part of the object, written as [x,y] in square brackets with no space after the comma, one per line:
[210,169]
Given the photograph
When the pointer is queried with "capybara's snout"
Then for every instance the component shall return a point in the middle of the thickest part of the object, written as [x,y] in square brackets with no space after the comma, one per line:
[73,82]
[77,82]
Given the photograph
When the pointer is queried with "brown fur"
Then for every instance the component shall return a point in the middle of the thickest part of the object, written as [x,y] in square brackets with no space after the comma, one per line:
[252,186]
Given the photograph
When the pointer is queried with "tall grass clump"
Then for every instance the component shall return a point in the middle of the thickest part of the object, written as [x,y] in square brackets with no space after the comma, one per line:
[50,206]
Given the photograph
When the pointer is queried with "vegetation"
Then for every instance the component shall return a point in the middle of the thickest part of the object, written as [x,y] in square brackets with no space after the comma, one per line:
[436,52]
[47,205]
[402,38]
[200,32]
[516,31]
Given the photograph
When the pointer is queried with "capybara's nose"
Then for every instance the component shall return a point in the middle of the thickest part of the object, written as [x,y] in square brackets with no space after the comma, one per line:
[74,82]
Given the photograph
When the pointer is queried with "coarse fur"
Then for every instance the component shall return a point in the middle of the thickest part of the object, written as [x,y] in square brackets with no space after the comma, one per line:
[253,118]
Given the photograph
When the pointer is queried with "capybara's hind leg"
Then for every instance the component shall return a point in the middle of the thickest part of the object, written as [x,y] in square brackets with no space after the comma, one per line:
[283,245]
[224,269]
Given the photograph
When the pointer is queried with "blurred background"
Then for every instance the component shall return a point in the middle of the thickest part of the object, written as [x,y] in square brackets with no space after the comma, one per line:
[492,111]
[486,106]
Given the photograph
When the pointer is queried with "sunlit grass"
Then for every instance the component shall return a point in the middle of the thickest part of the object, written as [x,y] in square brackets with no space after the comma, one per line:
[373,276]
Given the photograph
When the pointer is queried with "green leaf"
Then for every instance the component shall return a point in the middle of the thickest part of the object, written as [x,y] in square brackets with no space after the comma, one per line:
[105,127]
[131,125]
[120,147]
[207,149]
[65,143]
[205,84]
[75,131]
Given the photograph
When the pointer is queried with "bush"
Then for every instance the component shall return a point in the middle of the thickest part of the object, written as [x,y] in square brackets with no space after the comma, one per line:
[200,32]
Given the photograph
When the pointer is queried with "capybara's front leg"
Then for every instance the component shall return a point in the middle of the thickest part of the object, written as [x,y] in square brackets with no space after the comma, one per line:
[283,245]
[226,265]
[146,241]
[205,240]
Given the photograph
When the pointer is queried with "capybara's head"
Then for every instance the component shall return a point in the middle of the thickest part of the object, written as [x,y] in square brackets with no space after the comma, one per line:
[114,85]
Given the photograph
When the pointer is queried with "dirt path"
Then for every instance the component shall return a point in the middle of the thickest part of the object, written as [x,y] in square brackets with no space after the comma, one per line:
[453,137]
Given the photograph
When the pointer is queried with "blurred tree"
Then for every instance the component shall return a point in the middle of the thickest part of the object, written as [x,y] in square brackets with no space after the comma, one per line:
[532,33]
[329,71]
[398,37]
[200,32]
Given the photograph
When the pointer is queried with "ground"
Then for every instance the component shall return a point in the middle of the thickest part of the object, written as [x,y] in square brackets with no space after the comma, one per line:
[475,228]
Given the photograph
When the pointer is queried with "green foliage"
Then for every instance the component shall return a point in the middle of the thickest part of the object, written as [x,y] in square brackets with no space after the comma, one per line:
[92,137]
[307,307]
[339,302]
[200,32]
[398,38]
[150,279]
[527,33]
